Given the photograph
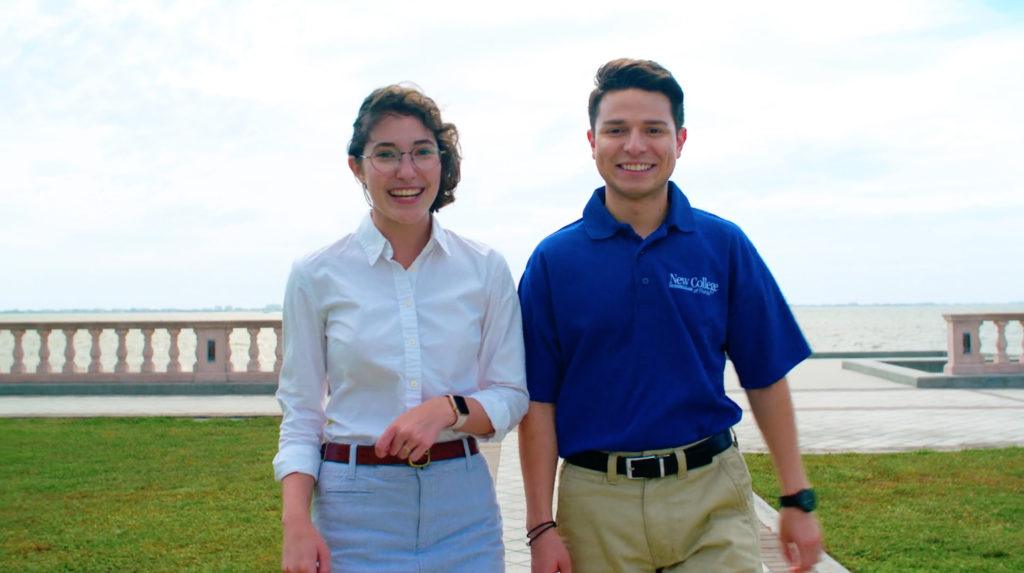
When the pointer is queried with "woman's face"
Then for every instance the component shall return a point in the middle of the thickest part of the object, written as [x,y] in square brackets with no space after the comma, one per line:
[401,171]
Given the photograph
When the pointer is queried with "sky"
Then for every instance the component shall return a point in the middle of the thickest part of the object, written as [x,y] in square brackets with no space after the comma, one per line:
[182,154]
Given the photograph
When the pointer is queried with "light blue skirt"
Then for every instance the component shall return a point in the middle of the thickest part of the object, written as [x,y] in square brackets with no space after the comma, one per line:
[443,518]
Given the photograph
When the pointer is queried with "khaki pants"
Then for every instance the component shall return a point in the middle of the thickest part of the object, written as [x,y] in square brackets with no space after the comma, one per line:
[698,521]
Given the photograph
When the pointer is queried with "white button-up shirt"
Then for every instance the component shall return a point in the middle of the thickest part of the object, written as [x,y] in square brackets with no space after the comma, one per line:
[365,340]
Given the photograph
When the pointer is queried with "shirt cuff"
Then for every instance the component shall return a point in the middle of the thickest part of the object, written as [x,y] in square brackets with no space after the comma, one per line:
[302,459]
[497,411]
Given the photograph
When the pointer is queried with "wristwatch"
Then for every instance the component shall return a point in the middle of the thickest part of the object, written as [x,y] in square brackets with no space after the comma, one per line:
[805,500]
[461,409]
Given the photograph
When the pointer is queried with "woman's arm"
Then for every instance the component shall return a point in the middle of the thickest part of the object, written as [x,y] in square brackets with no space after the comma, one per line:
[502,396]
[303,548]
[302,389]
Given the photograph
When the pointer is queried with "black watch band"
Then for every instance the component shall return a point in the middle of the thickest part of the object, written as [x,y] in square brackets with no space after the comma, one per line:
[805,500]
[461,409]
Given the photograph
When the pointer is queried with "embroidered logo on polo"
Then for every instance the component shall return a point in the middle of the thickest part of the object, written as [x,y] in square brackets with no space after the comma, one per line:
[696,285]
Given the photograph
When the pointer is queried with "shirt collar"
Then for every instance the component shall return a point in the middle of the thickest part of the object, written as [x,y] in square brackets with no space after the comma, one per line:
[375,245]
[600,224]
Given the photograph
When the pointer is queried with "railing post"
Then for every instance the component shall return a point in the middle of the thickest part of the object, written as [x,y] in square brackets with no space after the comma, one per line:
[963,345]
[173,352]
[122,350]
[213,354]
[44,350]
[254,350]
[69,350]
[147,350]
[1001,357]
[279,349]
[94,352]
[19,352]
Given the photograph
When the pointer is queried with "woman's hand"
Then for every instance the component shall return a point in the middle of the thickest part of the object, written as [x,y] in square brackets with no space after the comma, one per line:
[304,549]
[412,433]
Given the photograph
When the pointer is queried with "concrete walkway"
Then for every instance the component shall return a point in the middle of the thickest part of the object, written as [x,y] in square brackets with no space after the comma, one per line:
[837,411]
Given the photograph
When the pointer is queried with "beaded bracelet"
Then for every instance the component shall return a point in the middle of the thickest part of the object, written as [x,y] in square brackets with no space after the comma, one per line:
[539,530]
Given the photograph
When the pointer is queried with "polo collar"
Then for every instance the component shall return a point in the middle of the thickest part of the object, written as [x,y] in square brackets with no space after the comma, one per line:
[376,246]
[600,224]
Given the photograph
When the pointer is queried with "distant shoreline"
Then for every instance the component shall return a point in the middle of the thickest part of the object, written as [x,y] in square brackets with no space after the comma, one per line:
[268,308]
[277,308]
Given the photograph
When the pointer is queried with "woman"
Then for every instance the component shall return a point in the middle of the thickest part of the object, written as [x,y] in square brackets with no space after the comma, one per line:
[402,342]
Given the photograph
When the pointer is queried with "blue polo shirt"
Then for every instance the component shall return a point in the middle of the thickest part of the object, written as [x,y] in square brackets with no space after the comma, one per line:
[628,337]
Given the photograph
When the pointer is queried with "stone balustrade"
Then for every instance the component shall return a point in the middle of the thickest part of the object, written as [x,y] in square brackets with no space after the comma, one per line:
[964,344]
[216,343]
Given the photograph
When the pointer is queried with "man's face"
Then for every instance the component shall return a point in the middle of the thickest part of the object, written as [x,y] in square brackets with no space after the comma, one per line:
[635,143]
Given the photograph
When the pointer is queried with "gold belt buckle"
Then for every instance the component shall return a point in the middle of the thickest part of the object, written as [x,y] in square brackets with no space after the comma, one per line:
[420,466]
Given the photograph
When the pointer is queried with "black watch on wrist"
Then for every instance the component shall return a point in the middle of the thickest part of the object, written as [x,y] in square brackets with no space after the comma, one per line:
[805,500]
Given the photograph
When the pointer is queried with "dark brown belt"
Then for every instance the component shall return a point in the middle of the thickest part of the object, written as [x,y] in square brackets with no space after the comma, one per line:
[365,455]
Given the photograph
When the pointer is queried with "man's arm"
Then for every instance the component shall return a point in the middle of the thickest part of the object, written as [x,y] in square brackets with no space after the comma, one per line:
[773,410]
[538,457]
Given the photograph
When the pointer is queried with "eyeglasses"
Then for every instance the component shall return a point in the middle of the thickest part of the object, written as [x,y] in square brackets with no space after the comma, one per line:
[387,160]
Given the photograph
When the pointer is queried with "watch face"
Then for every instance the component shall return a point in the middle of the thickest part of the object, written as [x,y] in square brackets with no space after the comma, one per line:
[461,404]
[804,499]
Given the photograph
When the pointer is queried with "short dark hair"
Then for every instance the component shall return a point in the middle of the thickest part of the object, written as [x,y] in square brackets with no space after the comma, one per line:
[627,73]
[409,101]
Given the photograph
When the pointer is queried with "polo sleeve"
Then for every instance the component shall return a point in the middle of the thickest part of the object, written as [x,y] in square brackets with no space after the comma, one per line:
[302,384]
[502,381]
[540,335]
[763,339]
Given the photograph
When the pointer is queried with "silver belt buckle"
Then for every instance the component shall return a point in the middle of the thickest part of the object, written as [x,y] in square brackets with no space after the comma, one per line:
[629,465]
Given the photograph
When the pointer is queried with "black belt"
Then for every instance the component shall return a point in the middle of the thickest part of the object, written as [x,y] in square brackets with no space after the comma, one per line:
[697,455]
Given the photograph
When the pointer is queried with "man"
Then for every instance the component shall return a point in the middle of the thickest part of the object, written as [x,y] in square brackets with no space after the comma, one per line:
[628,316]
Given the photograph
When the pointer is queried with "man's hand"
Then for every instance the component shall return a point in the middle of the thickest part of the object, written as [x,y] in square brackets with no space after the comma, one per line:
[412,433]
[800,537]
[304,549]
[549,555]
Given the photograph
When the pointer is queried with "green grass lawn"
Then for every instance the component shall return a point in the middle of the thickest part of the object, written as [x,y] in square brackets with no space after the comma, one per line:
[166,494]
[919,511]
[139,494]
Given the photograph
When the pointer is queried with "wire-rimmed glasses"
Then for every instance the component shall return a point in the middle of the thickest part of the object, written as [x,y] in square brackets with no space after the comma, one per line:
[387,159]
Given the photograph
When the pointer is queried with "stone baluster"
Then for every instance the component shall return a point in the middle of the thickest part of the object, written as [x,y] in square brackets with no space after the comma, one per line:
[254,351]
[44,351]
[1020,359]
[279,349]
[122,350]
[173,352]
[147,350]
[69,350]
[1001,357]
[229,365]
[19,352]
[94,352]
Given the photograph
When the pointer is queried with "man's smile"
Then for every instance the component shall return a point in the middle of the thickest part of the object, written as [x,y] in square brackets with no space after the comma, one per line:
[637,166]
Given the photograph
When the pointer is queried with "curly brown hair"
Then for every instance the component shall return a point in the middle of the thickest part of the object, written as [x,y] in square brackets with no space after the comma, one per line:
[409,101]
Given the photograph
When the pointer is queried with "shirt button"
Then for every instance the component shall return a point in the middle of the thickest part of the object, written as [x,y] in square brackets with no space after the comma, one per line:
[414,383]
[412,342]
[408,304]
[645,280]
